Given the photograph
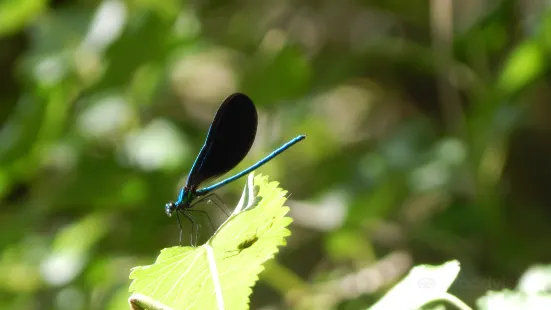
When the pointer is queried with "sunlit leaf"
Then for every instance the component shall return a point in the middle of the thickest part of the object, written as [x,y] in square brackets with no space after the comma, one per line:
[223,270]
[510,300]
[536,279]
[423,284]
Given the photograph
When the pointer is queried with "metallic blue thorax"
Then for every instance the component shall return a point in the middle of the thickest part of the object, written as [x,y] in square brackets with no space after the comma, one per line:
[185,198]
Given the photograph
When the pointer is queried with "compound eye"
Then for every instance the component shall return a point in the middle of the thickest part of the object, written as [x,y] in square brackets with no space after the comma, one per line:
[170,208]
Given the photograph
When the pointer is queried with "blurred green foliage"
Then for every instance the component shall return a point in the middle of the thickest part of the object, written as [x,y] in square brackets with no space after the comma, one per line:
[427,122]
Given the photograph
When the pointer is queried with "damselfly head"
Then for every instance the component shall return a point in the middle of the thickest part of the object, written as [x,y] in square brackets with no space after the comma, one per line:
[170,208]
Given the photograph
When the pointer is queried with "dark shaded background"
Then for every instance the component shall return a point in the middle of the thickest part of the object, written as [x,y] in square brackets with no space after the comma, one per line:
[428,123]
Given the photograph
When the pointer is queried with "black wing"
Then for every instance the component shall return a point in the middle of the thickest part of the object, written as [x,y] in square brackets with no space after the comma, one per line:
[230,138]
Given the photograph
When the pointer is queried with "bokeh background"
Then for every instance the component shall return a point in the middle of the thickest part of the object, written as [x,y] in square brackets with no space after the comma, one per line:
[428,123]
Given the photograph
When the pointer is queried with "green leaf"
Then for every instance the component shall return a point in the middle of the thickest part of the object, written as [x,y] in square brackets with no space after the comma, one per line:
[537,279]
[423,284]
[511,300]
[16,14]
[525,64]
[220,273]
